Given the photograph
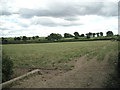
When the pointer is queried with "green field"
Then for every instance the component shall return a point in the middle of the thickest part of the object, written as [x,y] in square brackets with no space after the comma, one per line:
[54,55]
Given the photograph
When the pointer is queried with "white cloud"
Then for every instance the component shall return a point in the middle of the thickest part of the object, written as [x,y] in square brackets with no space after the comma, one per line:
[60,16]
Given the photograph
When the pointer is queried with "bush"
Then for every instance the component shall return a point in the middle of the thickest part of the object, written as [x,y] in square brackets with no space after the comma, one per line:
[7,67]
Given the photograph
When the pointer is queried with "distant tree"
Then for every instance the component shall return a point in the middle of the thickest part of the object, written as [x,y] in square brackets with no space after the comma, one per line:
[33,38]
[82,35]
[29,38]
[67,35]
[24,38]
[101,34]
[94,34]
[76,34]
[58,36]
[54,36]
[97,34]
[48,37]
[3,38]
[109,33]
[18,38]
[88,36]
[36,37]
[15,38]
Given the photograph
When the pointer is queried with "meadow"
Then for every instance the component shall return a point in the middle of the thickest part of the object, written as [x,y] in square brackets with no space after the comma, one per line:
[57,55]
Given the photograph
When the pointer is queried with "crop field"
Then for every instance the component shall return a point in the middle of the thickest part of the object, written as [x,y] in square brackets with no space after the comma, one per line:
[57,55]
[66,64]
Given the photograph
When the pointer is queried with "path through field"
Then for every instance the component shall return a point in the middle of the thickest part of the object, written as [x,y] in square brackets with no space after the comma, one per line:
[85,74]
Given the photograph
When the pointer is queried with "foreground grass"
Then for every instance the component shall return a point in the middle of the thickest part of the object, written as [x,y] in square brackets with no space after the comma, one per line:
[55,55]
[113,80]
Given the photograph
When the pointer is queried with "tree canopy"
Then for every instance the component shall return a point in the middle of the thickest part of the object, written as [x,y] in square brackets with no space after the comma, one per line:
[101,33]
[109,33]
[68,35]
[54,36]
[76,34]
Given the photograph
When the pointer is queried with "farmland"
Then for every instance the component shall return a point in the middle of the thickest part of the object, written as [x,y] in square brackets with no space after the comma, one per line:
[87,57]
[52,55]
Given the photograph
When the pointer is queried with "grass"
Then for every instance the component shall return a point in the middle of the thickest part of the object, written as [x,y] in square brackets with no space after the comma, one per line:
[113,81]
[58,55]
[51,55]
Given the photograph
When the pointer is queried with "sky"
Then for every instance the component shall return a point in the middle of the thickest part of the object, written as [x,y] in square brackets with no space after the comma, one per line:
[42,17]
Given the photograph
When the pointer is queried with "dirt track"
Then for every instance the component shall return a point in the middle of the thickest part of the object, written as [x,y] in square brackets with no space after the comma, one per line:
[85,74]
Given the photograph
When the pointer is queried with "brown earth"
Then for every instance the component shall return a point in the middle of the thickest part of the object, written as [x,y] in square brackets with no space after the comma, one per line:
[19,72]
[85,74]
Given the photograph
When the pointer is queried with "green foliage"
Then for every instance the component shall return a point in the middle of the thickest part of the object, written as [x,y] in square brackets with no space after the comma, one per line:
[54,36]
[76,34]
[3,38]
[101,33]
[94,34]
[67,35]
[36,37]
[68,69]
[97,34]
[43,40]
[109,33]
[7,67]
[17,38]
[29,38]
[82,35]
[24,38]
[88,36]
[33,37]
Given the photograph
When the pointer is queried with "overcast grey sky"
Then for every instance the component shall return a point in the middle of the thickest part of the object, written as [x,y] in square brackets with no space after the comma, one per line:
[42,17]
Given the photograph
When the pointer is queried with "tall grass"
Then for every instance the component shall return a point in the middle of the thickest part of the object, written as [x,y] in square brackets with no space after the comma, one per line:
[44,54]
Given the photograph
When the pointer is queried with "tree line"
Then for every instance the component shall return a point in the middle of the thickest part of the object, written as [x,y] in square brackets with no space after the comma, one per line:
[56,36]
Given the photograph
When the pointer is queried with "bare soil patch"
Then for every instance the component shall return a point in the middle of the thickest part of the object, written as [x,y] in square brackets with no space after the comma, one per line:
[19,72]
[85,74]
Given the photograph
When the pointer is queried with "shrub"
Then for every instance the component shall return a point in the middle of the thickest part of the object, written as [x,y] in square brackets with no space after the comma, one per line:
[7,67]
